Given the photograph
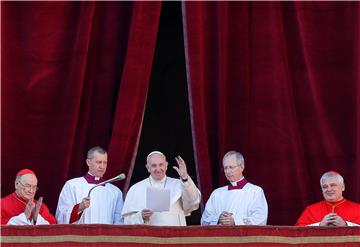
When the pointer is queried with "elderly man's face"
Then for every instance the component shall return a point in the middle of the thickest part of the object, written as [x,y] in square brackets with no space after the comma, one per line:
[332,189]
[97,164]
[26,186]
[157,166]
[233,171]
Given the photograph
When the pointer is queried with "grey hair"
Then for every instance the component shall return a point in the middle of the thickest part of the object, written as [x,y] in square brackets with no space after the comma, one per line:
[154,152]
[18,178]
[90,153]
[239,157]
[331,174]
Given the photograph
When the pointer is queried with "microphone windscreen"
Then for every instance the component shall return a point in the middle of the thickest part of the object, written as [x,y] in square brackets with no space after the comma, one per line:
[122,176]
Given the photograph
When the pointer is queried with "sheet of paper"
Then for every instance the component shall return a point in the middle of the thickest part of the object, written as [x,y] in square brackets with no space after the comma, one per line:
[158,199]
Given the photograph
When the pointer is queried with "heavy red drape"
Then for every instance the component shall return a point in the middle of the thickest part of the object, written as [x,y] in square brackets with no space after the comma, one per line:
[279,82]
[74,75]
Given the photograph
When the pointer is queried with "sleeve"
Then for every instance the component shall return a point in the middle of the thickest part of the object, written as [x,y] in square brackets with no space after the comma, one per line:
[131,210]
[258,209]
[133,218]
[19,220]
[66,204]
[210,216]
[190,196]
[351,223]
[307,219]
[118,219]
[46,215]
[41,221]
[4,214]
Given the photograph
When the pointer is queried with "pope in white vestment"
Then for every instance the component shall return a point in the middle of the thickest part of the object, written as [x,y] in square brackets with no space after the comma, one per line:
[184,195]
[105,202]
[240,203]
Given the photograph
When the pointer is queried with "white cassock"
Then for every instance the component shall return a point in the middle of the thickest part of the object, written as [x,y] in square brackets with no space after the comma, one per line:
[248,205]
[184,198]
[105,203]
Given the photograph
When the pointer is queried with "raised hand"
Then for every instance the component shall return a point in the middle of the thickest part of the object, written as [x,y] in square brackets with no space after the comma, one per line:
[29,209]
[181,170]
[36,209]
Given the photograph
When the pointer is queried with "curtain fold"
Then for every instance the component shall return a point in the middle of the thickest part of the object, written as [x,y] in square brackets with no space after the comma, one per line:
[68,83]
[277,81]
[134,87]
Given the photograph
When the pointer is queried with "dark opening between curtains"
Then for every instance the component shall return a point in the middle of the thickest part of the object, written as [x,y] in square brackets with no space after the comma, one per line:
[166,126]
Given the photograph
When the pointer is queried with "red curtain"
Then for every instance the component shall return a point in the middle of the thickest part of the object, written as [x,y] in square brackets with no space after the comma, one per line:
[279,82]
[74,75]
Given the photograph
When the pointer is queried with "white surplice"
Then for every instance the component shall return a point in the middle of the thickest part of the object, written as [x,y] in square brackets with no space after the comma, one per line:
[248,205]
[184,198]
[21,219]
[105,203]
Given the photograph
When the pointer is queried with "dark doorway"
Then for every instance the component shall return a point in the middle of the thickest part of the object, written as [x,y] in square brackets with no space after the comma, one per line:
[166,126]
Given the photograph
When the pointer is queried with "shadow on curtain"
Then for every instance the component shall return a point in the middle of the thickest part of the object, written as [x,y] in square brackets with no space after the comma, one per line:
[74,75]
[279,82]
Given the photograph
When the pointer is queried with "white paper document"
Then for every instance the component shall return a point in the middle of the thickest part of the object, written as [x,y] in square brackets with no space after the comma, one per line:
[158,199]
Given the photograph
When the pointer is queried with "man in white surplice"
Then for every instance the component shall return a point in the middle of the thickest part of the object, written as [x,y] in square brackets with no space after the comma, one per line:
[184,195]
[240,202]
[105,205]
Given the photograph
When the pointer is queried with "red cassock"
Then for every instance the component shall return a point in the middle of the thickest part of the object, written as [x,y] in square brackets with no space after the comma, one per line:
[12,205]
[348,210]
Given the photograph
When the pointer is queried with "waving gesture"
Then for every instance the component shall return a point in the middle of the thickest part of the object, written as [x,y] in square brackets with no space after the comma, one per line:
[181,170]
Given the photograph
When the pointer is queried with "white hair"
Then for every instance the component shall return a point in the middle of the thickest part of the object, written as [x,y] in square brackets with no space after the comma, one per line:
[331,174]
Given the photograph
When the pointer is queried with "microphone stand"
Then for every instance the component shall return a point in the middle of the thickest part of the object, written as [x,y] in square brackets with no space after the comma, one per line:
[111,180]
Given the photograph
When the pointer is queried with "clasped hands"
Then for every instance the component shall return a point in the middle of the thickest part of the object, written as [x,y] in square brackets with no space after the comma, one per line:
[226,218]
[32,210]
[332,219]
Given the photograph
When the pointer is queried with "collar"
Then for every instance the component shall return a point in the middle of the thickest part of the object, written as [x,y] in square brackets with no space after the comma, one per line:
[157,183]
[335,204]
[237,185]
[19,198]
[92,179]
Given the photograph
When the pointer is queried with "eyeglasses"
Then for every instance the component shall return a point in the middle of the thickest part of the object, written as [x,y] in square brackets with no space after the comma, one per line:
[29,187]
[230,168]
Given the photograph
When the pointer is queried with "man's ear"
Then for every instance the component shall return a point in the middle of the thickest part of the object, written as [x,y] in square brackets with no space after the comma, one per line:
[88,162]
[242,167]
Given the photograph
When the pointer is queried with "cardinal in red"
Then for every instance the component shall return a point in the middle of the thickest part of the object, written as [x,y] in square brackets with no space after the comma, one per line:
[20,207]
[335,210]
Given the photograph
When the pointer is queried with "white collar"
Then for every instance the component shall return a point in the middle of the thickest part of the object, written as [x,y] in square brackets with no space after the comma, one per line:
[235,182]
[96,178]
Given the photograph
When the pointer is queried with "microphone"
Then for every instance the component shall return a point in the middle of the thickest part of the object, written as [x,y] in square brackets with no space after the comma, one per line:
[119,177]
